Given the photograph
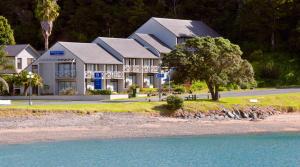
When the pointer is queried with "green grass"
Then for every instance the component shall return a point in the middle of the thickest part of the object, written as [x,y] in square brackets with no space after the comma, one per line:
[282,101]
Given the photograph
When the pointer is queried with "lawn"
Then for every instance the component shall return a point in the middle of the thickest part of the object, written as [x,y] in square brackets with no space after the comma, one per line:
[280,101]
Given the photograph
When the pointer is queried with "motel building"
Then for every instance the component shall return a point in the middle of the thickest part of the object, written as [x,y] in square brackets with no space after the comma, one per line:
[83,66]
[115,63]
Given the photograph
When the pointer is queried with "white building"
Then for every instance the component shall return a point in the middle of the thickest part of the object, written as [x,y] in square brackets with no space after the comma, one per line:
[115,63]
[21,56]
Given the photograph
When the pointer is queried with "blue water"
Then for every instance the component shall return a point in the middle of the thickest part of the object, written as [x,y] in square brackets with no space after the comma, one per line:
[270,150]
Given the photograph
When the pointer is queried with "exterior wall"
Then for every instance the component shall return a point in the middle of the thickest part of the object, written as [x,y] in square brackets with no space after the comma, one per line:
[47,65]
[153,27]
[24,55]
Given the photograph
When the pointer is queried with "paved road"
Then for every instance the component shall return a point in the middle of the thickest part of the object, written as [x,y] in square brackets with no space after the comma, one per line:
[203,96]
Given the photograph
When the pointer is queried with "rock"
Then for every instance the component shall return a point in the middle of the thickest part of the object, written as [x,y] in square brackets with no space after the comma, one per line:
[244,114]
[230,114]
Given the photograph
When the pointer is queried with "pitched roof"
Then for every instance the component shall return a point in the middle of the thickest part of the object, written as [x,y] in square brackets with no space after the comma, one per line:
[186,28]
[128,48]
[14,50]
[154,42]
[90,53]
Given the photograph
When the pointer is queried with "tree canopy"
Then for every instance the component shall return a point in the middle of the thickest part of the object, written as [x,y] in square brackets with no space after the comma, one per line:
[6,33]
[216,61]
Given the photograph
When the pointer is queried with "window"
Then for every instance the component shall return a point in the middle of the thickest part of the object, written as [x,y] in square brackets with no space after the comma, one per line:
[19,63]
[148,62]
[29,61]
[111,67]
[66,70]
[130,62]
[64,85]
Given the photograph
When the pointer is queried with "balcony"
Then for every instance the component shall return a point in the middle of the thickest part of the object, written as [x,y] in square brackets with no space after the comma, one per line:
[105,74]
[65,74]
[150,69]
[133,68]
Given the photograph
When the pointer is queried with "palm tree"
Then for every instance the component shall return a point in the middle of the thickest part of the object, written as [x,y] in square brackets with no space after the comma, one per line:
[47,12]
[25,82]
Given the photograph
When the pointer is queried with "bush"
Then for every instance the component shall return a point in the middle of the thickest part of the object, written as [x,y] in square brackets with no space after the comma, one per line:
[198,86]
[149,90]
[174,102]
[99,92]
[179,89]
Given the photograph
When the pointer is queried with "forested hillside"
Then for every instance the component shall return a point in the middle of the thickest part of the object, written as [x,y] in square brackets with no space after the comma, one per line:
[268,31]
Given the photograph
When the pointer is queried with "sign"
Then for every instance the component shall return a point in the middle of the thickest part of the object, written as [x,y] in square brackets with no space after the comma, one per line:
[98,75]
[98,80]
[98,84]
[160,75]
[57,52]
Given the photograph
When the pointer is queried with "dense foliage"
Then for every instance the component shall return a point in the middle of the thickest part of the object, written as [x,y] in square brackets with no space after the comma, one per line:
[6,33]
[268,27]
[174,102]
[216,61]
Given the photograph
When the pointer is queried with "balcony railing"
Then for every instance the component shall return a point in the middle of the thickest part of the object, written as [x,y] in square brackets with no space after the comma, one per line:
[133,68]
[150,69]
[105,74]
[65,74]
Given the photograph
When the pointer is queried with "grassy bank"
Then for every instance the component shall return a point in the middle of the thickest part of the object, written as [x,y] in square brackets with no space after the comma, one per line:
[282,102]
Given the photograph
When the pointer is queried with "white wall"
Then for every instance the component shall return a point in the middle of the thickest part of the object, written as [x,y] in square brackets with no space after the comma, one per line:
[153,27]
[24,55]
[47,68]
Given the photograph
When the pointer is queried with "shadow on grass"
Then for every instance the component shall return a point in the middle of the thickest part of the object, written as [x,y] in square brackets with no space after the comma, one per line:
[164,110]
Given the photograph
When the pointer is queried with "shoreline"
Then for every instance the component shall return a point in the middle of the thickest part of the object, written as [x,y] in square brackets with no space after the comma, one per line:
[106,126]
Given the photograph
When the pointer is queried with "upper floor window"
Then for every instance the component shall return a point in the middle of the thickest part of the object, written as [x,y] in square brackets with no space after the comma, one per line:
[148,62]
[92,67]
[19,63]
[130,62]
[111,67]
[29,61]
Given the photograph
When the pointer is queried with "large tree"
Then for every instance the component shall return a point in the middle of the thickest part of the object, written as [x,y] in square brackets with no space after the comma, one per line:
[216,61]
[6,33]
[5,64]
[47,12]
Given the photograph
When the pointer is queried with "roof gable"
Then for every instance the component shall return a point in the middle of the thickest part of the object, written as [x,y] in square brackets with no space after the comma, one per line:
[154,42]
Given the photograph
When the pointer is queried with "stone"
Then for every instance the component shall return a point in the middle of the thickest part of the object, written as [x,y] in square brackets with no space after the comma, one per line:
[244,114]
[230,114]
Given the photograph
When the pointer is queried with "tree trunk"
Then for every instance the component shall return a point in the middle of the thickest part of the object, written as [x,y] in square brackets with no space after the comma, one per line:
[46,42]
[216,96]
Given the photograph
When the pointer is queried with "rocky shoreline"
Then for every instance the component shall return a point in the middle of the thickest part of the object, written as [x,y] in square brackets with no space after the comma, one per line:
[252,113]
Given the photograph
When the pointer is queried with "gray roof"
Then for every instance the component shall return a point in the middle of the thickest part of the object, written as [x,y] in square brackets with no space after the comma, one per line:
[186,28]
[90,53]
[14,50]
[128,48]
[154,42]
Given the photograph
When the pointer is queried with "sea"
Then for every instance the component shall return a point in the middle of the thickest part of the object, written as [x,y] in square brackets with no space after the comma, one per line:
[253,150]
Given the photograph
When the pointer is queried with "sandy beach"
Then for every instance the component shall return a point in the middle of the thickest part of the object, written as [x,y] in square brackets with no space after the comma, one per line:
[68,126]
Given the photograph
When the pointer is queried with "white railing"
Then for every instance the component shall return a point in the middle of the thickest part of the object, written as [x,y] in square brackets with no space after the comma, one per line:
[150,69]
[133,68]
[105,74]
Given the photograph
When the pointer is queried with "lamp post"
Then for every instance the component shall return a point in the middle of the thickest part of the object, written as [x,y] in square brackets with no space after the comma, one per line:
[30,76]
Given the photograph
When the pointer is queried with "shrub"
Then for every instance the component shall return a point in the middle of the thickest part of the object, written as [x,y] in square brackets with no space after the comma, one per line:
[174,102]
[198,85]
[99,92]
[149,90]
[179,89]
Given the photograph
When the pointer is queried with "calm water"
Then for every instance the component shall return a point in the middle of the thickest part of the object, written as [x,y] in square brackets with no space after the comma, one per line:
[233,151]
